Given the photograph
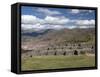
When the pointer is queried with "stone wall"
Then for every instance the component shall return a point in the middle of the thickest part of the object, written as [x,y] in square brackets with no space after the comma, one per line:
[62,50]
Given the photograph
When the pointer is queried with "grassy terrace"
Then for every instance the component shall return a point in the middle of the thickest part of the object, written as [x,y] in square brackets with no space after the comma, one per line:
[54,62]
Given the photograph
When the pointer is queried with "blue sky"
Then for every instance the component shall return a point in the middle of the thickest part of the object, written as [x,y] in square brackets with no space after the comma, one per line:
[55,18]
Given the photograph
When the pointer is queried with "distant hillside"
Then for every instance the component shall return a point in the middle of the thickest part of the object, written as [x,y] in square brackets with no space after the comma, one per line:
[34,33]
[63,35]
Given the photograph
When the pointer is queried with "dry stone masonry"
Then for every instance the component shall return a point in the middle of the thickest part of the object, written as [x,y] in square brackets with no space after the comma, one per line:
[69,49]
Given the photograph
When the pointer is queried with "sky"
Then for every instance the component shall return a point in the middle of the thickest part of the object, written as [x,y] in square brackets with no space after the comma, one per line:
[39,18]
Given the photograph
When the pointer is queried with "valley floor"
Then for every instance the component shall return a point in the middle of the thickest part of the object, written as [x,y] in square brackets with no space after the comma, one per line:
[56,62]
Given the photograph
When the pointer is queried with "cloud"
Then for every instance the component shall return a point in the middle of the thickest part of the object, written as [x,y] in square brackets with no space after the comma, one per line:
[30,26]
[50,22]
[56,20]
[75,11]
[30,19]
[86,22]
[38,27]
[48,12]
[90,11]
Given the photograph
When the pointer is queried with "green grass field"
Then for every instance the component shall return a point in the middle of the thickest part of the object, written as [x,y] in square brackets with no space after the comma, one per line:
[56,62]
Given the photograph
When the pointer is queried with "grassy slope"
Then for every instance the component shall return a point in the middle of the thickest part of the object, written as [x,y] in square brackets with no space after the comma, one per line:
[54,62]
[63,35]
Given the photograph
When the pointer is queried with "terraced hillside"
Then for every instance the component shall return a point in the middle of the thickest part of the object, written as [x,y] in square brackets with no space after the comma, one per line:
[58,42]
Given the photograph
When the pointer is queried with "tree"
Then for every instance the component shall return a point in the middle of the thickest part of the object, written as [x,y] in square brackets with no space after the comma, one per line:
[55,53]
[48,49]
[64,53]
[75,52]
[30,55]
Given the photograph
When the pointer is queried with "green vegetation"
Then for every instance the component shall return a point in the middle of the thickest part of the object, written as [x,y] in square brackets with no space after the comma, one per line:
[55,62]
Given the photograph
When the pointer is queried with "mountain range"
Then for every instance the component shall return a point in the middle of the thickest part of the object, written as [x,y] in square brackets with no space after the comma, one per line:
[62,36]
